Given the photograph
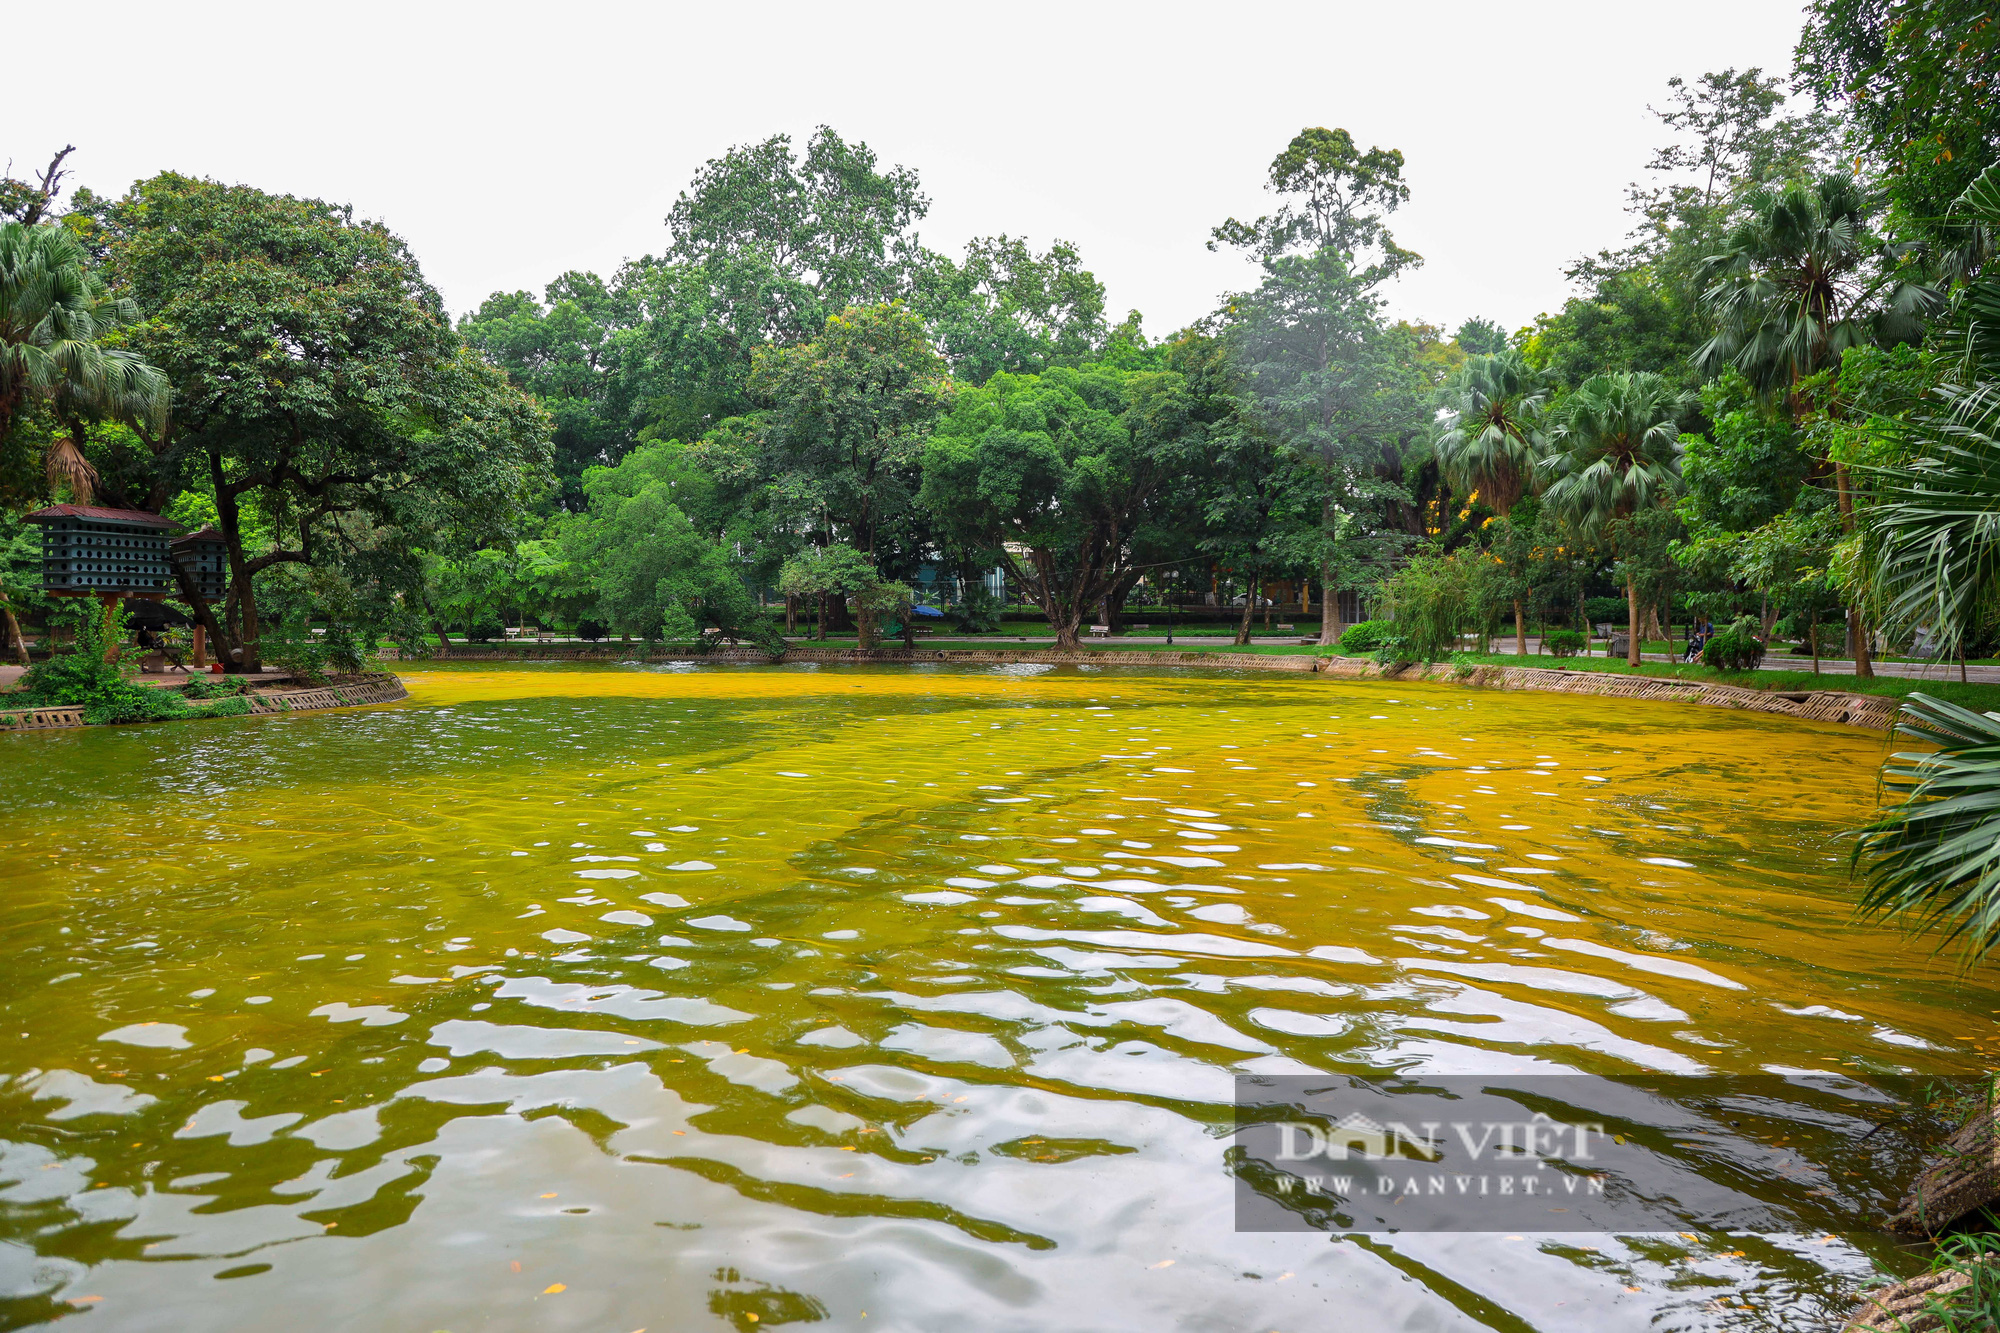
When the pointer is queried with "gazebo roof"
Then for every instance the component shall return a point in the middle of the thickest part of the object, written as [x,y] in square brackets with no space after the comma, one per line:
[135,516]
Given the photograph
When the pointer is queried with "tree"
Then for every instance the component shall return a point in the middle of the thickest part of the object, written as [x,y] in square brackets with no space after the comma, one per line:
[1493,439]
[316,381]
[826,572]
[1481,337]
[1054,472]
[653,572]
[1798,282]
[1335,199]
[847,418]
[1322,374]
[55,314]
[31,201]
[791,240]
[1615,451]
[1917,77]
[1008,308]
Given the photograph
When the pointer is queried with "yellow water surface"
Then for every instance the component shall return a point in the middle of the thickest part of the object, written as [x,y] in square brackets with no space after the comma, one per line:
[610,998]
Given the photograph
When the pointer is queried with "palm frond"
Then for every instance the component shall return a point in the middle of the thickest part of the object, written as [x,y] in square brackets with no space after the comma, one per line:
[1932,861]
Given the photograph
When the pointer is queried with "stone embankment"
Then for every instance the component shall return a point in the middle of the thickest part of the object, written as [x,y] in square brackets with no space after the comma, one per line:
[272,696]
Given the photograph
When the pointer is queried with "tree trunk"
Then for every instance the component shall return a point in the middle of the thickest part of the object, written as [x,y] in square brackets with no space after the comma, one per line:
[12,628]
[1631,621]
[1520,631]
[1857,622]
[1812,638]
[229,518]
[1249,606]
[791,614]
[1329,608]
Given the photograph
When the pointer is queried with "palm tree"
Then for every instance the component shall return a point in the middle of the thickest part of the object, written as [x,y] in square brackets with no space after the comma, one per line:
[1493,439]
[54,312]
[1615,452]
[1933,556]
[1799,281]
[1935,858]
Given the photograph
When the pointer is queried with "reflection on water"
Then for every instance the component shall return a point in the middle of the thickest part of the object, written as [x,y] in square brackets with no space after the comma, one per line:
[610,998]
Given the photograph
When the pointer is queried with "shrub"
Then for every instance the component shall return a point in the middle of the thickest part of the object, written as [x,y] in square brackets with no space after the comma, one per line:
[236,706]
[291,647]
[485,631]
[214,687]
[977,613]
[590,631]
[1564,642]
[348,649]
[78,674]
[1734,649]
[1366,636]
[1605,610]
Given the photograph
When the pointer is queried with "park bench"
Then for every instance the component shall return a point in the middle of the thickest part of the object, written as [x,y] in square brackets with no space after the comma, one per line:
[1100,631]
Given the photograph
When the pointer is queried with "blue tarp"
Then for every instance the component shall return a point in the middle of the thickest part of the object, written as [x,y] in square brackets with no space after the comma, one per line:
[922,611]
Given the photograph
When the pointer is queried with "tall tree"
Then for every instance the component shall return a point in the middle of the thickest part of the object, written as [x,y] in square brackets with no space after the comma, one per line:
[792,239]
[1054,473]
[1797,282]
[317,381]
[1616,451]
[848,416]
[55,314]
[1008,308]
[1335,198]
[1493,440]
[1918,78]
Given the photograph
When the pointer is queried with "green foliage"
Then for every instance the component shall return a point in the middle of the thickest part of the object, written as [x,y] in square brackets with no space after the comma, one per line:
[77,672]
[1917,76]
[1932,860]
[1798,281]
[1432,601]
[56,315]
[978,612]
[1366,636]
[1564,642]
[1054,473]
[1736,648]
[390,432]
[1750,464]
[1615,451]
[842,571]
[292,647]
[1335,198]
[1493,440]
[215,687]
[653,573]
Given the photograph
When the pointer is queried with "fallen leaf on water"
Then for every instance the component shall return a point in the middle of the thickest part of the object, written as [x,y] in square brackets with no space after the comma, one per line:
[84,1300]
[1164,1263]
[548,1196]
[554,1287]
[849,1148]
[1634,1288]
[514,1265]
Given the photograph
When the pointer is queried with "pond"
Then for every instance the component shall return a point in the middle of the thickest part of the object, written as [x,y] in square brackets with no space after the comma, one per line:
[609,998]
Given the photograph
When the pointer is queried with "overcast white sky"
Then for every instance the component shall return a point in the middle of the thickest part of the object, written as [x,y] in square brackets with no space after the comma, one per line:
[510,141]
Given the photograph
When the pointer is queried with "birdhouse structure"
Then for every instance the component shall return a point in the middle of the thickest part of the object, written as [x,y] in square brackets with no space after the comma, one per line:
[205,560]
[93,552]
